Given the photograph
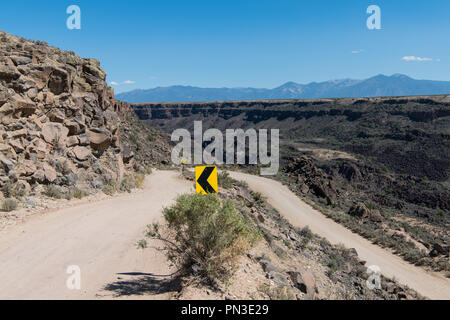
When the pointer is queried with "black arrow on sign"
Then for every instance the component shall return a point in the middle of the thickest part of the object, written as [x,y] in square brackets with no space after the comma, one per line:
[203,180]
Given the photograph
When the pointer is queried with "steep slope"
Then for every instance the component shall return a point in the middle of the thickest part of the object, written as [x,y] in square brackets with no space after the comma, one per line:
[301,215]
[59,121]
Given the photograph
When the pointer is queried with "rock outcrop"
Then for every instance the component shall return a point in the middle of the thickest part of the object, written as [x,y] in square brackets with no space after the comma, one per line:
[59,121]
[311,178]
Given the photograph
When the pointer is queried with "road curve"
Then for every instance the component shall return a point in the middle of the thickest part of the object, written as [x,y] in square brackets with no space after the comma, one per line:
[98,237]
[300,214]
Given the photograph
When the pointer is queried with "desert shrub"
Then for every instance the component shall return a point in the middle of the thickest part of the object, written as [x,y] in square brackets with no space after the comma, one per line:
[53,191]
[110,188]
[79,194]
[287,243]
[9,205]
[13,190]
[206,233]
[128,183]
[76,193]
[335,261]
[306,233]
[145,170]
[258,197]
[225,181]
[139,179]
[277,293]
[307,236]
[134,138]
[138,146]
[280,253]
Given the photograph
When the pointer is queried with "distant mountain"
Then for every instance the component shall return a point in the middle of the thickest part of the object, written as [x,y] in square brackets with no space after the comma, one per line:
[381,85]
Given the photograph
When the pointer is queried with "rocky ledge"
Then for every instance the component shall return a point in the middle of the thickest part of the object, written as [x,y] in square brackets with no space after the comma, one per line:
[59,121]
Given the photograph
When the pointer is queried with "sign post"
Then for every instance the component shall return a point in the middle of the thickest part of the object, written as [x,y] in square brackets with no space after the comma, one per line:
[206,181]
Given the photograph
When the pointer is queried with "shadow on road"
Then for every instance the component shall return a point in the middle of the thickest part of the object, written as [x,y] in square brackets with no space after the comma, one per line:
[143,284]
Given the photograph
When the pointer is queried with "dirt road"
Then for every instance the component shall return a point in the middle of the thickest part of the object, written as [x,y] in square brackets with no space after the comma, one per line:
[98,237]
[300,214]
[101,239]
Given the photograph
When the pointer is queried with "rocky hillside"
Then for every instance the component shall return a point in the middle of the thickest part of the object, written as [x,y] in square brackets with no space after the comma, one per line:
[378,165]
[60,123]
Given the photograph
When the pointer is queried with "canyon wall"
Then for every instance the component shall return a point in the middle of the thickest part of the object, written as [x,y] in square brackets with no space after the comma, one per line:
[59,121]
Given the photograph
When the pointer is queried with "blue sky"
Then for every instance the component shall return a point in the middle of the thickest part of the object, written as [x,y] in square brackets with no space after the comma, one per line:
[242,43]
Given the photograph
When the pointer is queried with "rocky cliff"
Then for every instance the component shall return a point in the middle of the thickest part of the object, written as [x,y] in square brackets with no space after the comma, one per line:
[59,121]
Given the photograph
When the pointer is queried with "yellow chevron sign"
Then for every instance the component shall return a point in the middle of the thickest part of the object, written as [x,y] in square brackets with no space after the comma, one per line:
[206,180]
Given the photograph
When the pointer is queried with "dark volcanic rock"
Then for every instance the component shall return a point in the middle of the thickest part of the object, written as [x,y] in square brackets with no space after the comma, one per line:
[314,178]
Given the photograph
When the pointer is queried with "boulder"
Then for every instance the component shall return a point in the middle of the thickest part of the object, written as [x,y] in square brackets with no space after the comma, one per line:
[24,107]
[267,266]
[439,250]
[8,73]
[58,82]
[305,282]
[304,189]
[72,141]
[100,140]
[314,179]
[49,173]
[39,151]
[54,133]
[74,127]
[6,108]
[350,171]
[39,176]
[26,168]
[84,139]
[17,134]
[57,116]
[81,153]
[359,210]
[21,60]
[6,163]
[17,145]
[8,151]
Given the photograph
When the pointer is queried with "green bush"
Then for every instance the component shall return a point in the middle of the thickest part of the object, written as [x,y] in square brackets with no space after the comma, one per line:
[277,293]
[139,179]
[13,190]
[258,197]
[205,232]
[133,138]
[9,205]
[307,236]
[128,183]
[335,261]
[53,191]
[225,181]
[110,188]
[76,193]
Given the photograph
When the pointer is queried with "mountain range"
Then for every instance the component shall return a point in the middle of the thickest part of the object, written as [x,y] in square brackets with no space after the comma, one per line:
[380,85]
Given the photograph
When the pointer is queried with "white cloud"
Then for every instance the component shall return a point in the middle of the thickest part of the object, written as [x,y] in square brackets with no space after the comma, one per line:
[358,51]
[414,58]
[114,83]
